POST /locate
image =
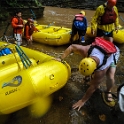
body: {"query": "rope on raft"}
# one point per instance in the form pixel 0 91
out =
pixel 24 58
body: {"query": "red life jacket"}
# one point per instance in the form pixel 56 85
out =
pixel 79 17
pixel 108 17
pixel 106 47
pixel 31 29
pixel 20 21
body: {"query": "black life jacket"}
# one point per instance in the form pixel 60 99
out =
pixel 108 17
pixel 106 47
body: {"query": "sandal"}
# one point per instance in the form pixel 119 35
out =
pixel 107 100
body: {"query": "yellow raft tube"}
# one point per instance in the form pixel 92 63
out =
pixel 118 37
pixel 20 86
pixel 52 35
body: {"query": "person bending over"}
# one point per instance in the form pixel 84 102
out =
pixel 92 63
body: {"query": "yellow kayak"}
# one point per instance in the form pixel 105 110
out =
pixel 118 37
pixel 27 74
pixel 52 35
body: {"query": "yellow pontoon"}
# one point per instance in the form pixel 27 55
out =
pixel 26 74
pixel 52 35
pixel 118 37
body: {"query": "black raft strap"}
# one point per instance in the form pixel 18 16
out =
pixel 104 62
pixel 105 54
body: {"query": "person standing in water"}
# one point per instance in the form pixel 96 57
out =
pixel 105 20
pixel 28 31
pixel 17 24
pixel 79 27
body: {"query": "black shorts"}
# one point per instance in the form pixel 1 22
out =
pixel 101 33
pixel 80 32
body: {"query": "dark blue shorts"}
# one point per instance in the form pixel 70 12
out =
pixel 101 33
pixel 75 31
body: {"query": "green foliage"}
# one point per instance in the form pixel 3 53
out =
pixel 37 3
pixel 4 4
pixel 12 3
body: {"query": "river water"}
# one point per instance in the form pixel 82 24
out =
pixel 95 111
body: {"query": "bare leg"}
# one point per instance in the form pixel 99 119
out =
pixel 110 81
pixel 109 38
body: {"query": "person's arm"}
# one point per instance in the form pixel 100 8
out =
pixel 94 20
pixel 117 19
pixel 85 22
pixel 35 29
pixel 94 83
pixel 67 52
pixel 75 48
pixel 15 23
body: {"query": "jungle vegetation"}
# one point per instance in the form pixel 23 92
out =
pixel 7 4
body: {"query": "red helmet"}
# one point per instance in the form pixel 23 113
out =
pixel 112 2
pixel 30 20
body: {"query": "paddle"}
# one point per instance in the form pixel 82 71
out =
pixel 50 25
pixel 32 12
pixel 4 34
pixel 34 16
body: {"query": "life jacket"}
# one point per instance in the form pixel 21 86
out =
pixel 31 29
pixel 108 17
pixel 79 17
pixel 106 47
pixel 80 22
pixel 20 21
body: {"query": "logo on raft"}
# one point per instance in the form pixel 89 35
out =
pixel 15 82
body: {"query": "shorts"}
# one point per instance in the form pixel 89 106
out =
pixel 115 57
pixel 113 64
pixel 101 33
pixel 80 32
pixel 18 38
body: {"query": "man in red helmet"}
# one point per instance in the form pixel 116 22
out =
pixel 105 20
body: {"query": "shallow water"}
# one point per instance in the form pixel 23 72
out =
pixel 94 111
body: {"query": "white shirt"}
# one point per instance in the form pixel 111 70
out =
pixel 97 53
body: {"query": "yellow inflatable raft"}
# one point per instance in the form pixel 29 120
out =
pixel 118 37
pixel 52 35
pixel 25 75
